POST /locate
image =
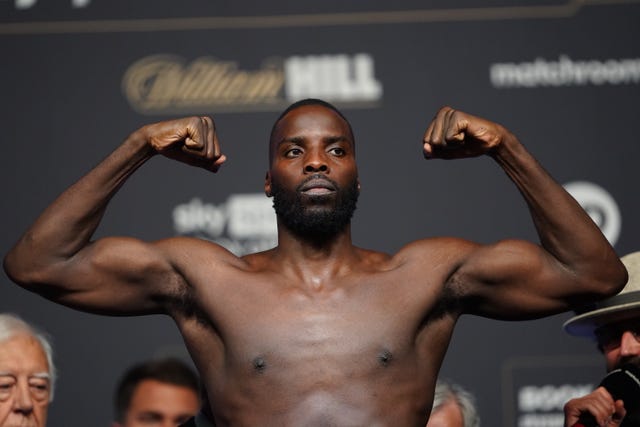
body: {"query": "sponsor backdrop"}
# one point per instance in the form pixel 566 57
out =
pixel 78 75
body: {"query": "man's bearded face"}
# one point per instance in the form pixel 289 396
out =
pixel 315 215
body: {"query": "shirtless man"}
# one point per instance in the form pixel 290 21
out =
pixel 316 331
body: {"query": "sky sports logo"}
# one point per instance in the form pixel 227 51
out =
pixel 565 71
pixel 243 224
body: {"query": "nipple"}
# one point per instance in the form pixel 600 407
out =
pixel 259 364
pixel 385 357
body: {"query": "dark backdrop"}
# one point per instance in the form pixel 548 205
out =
pixel 78 76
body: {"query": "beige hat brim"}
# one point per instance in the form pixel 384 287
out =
pixel 623 306
pixel 585 324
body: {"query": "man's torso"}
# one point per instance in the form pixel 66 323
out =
pixel 363 348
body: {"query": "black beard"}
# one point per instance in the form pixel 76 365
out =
pixel 316 220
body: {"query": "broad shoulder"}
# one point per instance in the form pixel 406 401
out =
pixel 447 252
pixel 185 251
pixel 260 261
pixel 443 251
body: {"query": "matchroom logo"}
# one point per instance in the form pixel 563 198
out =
pixel 160 84
pixel 565 71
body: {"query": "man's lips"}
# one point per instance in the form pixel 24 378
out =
pixel 317 186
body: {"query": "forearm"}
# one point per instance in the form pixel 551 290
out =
pixel 67 225
pixel 565 230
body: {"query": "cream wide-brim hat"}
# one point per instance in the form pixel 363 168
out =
pixel 623 306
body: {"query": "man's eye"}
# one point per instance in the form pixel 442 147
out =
pixel 149 418
pixel 337 151
pixel 6 389
pixel 7 384
pixel 40 391
pixel 293 152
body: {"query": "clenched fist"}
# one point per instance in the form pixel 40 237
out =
pixel 191 140
pixel 453 134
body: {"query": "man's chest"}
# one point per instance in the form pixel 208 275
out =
pixel 362 320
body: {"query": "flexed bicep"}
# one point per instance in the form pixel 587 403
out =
pixel 113 276
pixel 573 263
pixel 514 280
pixel 56 256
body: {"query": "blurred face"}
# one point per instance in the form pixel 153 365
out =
pixel 620 343
pixel 160 404
pixel 313 176
pixel 447 415
pixel 24 383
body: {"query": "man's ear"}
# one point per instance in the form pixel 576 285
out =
pixel 267 184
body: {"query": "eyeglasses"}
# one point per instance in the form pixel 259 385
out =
pixel 609 336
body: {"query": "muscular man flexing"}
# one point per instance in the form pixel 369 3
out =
pixel 316 331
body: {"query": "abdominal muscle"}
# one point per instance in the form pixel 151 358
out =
pixel 388 397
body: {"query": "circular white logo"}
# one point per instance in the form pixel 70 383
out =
pixel 600 206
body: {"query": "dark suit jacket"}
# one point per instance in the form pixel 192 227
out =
pixel 200 420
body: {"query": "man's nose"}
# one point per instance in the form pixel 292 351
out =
pixel 316 161
pixel 23 402
pixel 629 344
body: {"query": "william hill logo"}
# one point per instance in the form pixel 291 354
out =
pixel 166 84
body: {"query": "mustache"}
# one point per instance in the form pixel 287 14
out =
pixel 316 177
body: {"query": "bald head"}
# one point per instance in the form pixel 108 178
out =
pixel 300 104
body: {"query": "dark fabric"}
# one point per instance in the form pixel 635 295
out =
pixel 191 422
pixel 200 420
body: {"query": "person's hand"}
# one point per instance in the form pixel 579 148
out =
pixel 191 140
pixel 453 134
pixel 598 403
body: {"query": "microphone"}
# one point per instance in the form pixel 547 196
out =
pixel 623 384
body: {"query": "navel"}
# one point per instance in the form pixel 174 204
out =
pixel 385 357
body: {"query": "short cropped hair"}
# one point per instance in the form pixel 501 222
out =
pixel 12 325
pixel 447 391
pixel 302 103
pixel 169 371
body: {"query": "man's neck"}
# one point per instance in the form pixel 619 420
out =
pixel 315 259
pixel 313 242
